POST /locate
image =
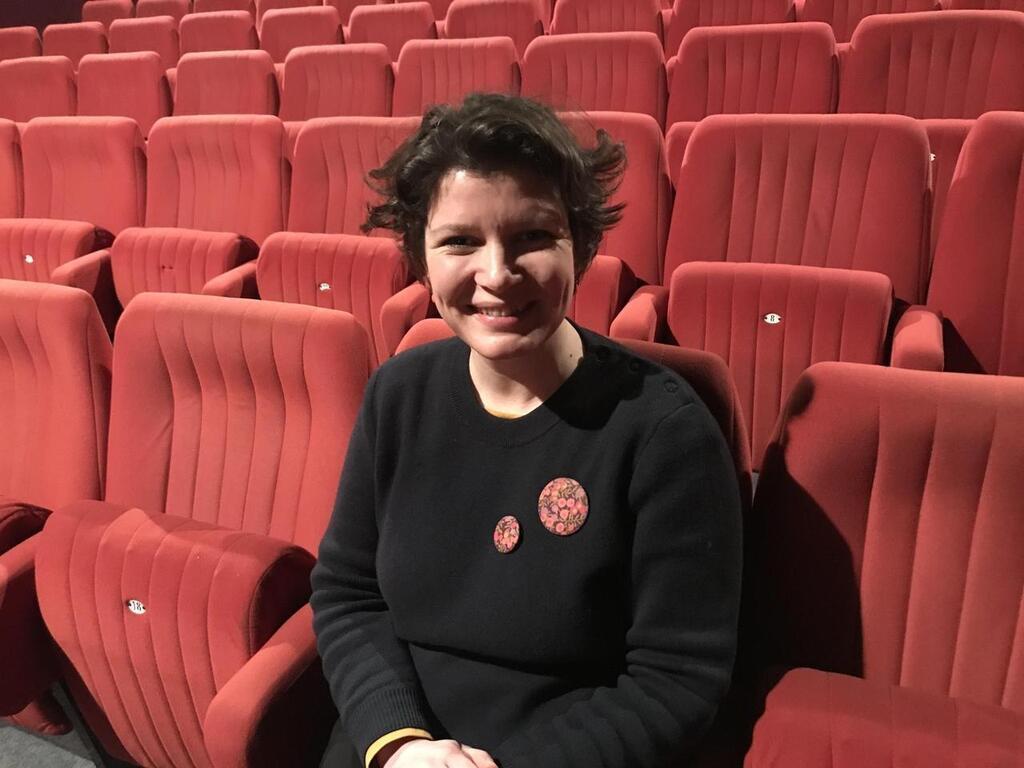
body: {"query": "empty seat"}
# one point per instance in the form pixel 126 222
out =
pixel 35 87
pixel 392 25
pixel 322 81
pixel 216 6
pixel 19 42
pixel 217 31
pixel 65 156
pixel 333 155
pixel 940 64
pixel 126 84
pixel 606 16
pixel 46 250
pixel 264 6
pixel 106 11
pixel 344 8
pixel 74 40
pixel 174 8
pixel 289 28
pixel 158 34
pixel 685 15
pixel 517 19
pixel 985 5
pixel 613 71
pixel 217 173
pixel 444 71
pixel 226 83
pixel 945 137
pixel 844 15
pixel 11 187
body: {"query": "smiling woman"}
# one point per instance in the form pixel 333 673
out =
pixel 534 555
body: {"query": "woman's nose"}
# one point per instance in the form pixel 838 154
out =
pixel 495 270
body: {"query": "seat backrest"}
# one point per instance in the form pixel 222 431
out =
pixel 787 68
pixel 263 7
pixel 517 19
pixel 347 272
pixel 946 137
pixel 287 28
pixel 217 31
pixel 31 249
pixel 444 71
pixel 156 33
pixel 571 16
pixel 54 394
pixel 977 276
pixel 217 6
pixel 36 87
pixel 106 11
pixel 344 7
pixel 392 25
pixel 74 40
pixel 203 363
pixel 145 9
pixel 985 5
pixel 64 156
pixel 333 156
pixel 610 71
pixel 330 80
pixel 938 64
pixel 844 191
pixel 226 83
pixel 11 174
pixel 689 14
pixel 639 237
pixel 769 322
pixel 221 173
pixel 127 84
pixel 19 42
pixel 844 15
pixel 886 534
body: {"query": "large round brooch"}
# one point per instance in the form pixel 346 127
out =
pixel 563 506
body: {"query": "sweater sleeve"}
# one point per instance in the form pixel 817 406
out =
pixel 369 670
pixel 685 573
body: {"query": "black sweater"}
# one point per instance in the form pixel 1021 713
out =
pixel 608 647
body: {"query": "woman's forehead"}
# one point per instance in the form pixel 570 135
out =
pixel 467 194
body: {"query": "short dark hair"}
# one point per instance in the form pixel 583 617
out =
pixel 488 133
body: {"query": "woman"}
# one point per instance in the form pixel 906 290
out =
pixel 534 557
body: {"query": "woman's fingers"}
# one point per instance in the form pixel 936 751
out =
pixel 480 758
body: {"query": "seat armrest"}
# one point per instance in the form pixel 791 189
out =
pixel 93 274
pixel 917 341
pixel 400 313
pixel 236 283
pixel 602 292
pixel 644 316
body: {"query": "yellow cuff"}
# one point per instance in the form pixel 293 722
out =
pixel 387 738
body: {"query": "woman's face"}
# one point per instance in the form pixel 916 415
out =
pixel 499 260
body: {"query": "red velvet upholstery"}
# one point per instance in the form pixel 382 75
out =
pixel 685 15
pixel 35 249
pixel 217 31
pixel 844 15
pixel 157 33
pixel 126 84
pixel 617 71
pixel 11 178
pixel 940 64
pixel 106 11
pixel 176 9
pixel 424 332
pixel 344 8
pixel 265 6
pixel 443 71
pixel 988 5
pixel 19 42
pixel 328 80
pixel 517 19
pixel 218 6
pixel 74 40
pixel 226 83
pixel 36 87
pixel 976 276
pixel 218 173
pixel 65 156
pixel 572 16
pixel 173 260
pixel 392 25
pixel 332 157
pixel 289 28
pixel 945 137
pixel 819 314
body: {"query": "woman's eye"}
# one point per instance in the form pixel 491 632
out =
pixel 456 241
pixel 537 235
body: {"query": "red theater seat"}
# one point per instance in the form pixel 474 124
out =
pixel 392 25
pixel 613 71
pixel 329 80
pixel 289 28
pixel 217 31
pixel 945 137
pixel 885 545
pixel 844 15
pixel 36 87
pixel 685 15
pixel 11 182
pixel 986 5
pixel 106 11
pixel 941 64
pixel 517 19
pixel 19 42
pixel 217 6
pixel 226 83
pixel 444 71
pixel 74 40
pixel 124 84
pixel 573 16
pixel 265 6
pixel 210 529
pixel 344 8
pixel 158 34
pixel 176 9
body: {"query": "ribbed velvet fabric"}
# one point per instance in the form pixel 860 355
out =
pixel 36 87
pixel 572 16
pixel 847 191
pixel 392 25
pixel 343 7
pixel 347 272
pixel 218 6
pixel 332 157
pixel 64 157
pixel 226 83
pixel 158 34
pixel 287 28
pixel 819 314
pixel 31 249
pixel 978 274
pixel 616 71
pixel 218 173
pixel 688 14
pixel 149 8
pixel 217 31
pixel 19 42
pixel 265 6
pixel 331 80
pixel 444 71
pixel 844 15
pixel 940 64
pixel 74 40
pixel 517 19
pixel 129 84
pixel 946 137
pixel 11 174
pixel 105 11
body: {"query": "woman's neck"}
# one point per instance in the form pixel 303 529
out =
pixel 516 386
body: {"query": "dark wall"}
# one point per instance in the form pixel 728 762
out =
pixel 39 13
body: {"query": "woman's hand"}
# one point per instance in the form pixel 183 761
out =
pixel 421 753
